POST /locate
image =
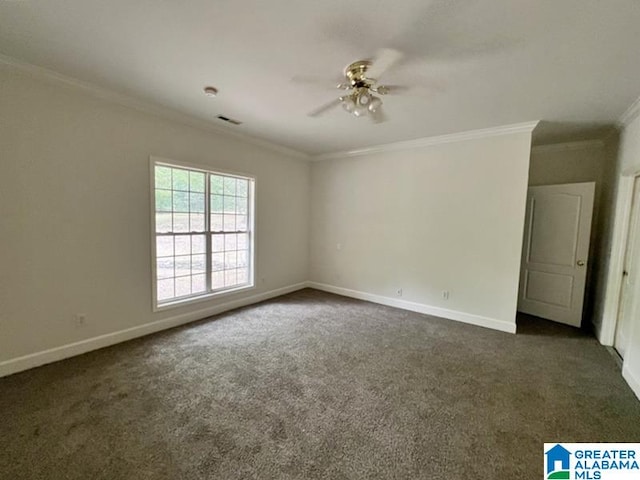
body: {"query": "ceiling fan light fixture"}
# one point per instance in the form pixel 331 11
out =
pixel 360 111
pixel 374 104
pixel 362 90
pixel 360 103
pixel 348 104
pixel 364 98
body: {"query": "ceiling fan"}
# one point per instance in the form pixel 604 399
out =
pixel 361 87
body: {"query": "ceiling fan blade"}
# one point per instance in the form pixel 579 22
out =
pixel 378 116
pixel 392 89
pixel 324 108
pixel 328 84
pixel 308 80
pixel 384 60
pixel 427 90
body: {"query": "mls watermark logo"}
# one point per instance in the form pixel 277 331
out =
pixel 592 461
pixel 557 462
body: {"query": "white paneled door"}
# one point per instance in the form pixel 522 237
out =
pixel 555 251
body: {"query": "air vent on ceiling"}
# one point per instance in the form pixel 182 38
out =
pixel 229 120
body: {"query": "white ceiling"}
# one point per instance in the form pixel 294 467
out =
pixel 479 63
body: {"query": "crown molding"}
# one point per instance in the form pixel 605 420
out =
pixel 630 114
pixel 148 107
pixel 567 146
pixel 429 141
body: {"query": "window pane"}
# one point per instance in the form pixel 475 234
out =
pixel 198 264
pixel 243 257
pixel 241 205
pixel 217 262
pixel 163 222
pixel 198 244
pixel 229 223
pixel 182 244
pixel 181 202
pixel 216 203
pixel 216 184
pixel 243 241
pixel 198 283
pixel 217 243
pixel 180 222
pixel 180 180
pixel 242 188
pixel 230 259
pixel 196 201
pixel 183 265
pixel 243 275
pixel 230 278
pixel 163 200
pixel 196 181
pixel 241 223
pixel 216 223
pixel 229 204
pixel 197 222
pixel 164 246
pixel 165 289
pixel 163 177
pixel 164 267
pixel 217 280
pixel 183 286
pixel 230 241
pixel 229 186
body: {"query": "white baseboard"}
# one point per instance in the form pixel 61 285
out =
pixel 470 318
pixel 632 380
pixel 15 365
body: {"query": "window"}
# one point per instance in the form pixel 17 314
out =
pixel 203 232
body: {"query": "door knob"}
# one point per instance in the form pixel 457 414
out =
pixel 581 263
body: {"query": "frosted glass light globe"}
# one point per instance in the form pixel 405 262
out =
pixel 374 104
pixel 348 104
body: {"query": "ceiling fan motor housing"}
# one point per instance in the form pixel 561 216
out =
pixel 357 73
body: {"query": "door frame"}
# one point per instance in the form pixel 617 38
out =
pixel 619 242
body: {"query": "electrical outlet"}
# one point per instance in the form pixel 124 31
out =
pixel 399 292
pixel 81 319
pixel 445 294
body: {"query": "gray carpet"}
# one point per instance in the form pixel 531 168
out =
pixel 313 385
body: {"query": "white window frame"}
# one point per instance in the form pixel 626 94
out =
pixel 209 294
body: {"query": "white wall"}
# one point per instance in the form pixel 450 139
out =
pixel 629 162
pixel 629 151
pixel 75 212
pixel 443 217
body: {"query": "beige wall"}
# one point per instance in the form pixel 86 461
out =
pixel 75 211
pixel 567 163
pixel 592 161
pixel 444 217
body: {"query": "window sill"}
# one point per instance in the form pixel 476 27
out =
pixel 202 298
